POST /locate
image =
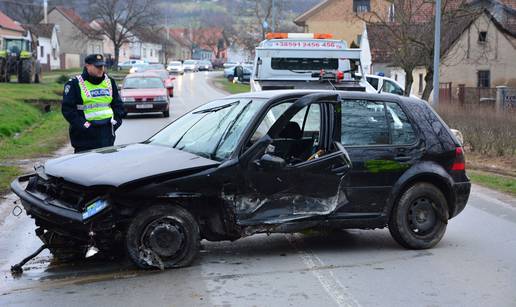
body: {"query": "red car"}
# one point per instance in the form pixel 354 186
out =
pixel 167 79
pixel 145 92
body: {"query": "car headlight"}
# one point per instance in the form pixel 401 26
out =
pixel 128 99
pixel 158 98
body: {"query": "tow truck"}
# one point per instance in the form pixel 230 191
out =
pixel 307 61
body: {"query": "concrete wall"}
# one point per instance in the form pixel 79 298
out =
pixel 339 19
pixel 468 56
pixel 70 60
pixel 399 75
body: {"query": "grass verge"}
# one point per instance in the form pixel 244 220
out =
pixel 233 88
pixel 26 130
pixel 7 174
pixel 493 181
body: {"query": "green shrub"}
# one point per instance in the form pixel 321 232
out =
pixel 63 79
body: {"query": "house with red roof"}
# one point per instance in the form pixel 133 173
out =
pixel 9 27
pixel 77 37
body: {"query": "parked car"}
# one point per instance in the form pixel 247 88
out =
pixel 130 63
pixel 144 93
pixel 229 64
pixel 261 162
pixel 144 67
pixel 229 72
pixel 385 85
pixel 167 79
pixel 190 65
pixel 176 67
pixel 205 65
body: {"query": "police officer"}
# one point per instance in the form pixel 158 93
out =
pixel 92 106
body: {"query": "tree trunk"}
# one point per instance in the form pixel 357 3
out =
pixel 409 80
pixel 117 53
pixel 429 84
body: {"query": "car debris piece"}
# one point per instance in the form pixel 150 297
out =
pixel 17 270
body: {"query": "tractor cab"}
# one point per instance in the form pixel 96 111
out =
pixel 16 58
pixel 17 47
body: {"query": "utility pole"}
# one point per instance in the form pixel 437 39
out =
pixel 437 52
pixel 273 15
pixel 45 8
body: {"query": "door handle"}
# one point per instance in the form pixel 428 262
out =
pixel 402 158
pixel 339 170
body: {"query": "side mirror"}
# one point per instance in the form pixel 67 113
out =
pixel 272 162
pixel 255 151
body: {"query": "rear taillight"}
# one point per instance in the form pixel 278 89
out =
pixel 340 75
pixel 459 163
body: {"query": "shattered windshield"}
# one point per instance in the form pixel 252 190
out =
pixel 212 130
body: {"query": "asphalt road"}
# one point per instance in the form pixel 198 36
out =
pixel 474 265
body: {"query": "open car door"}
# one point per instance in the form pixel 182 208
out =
pixel 298 179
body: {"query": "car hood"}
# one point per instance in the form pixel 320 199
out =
pixel 115 166
pixel 147 92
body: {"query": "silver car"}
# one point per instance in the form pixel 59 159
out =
pixel 175 67
pixel 190 65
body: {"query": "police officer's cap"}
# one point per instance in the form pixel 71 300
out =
pixel 95 59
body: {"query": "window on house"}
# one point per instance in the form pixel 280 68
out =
pixel 41 51
pixel 361 6
pixel 484 78
pixel 359 39
pixel 54 53
pixel 420 87
pixel 144 52
pixel 482 36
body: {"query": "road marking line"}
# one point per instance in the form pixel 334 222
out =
pixel 329 282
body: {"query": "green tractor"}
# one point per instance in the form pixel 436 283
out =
pixel 16 58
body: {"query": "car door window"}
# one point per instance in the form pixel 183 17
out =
pixel 402 132
pixel 373 82
pixel 363 123
pixel 299 139
pixel 391 87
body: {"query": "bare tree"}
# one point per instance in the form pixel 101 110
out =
pixel 409 26
pixel 120 19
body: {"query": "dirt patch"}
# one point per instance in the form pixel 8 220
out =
pixel 45 105
pixel 500 165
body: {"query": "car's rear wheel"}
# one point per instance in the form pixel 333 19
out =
pixel 419 219
pixel 166 113
pixel 163 236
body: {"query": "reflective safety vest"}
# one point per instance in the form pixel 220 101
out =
pixel 96 99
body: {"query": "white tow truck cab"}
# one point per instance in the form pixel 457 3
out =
pixel 307 61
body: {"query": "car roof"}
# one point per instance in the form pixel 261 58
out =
pixel 145 74
pixel 278 94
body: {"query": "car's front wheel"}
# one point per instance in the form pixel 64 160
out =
pixel 419 219
pixel 163 236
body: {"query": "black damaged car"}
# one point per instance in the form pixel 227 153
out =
pixel 265 162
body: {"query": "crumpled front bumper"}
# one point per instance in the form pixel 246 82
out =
pixel 49 210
